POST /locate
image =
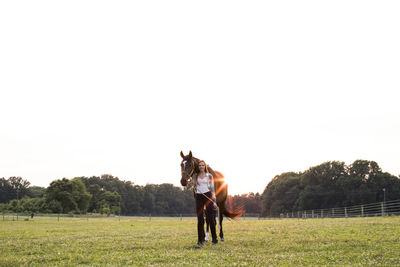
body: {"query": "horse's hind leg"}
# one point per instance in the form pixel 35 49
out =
pixel 221 233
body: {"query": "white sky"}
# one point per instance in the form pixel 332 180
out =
pixel 255 88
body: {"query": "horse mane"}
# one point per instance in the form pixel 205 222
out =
pixel 196 164
pixel 219 174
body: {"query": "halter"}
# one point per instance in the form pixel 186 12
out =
pixel 191 172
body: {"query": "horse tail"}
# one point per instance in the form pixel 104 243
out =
pixel 233 214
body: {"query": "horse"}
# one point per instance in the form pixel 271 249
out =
pixel 189 166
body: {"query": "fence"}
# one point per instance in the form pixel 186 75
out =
pixel 179 216
pixel 28 216
pixel 385 208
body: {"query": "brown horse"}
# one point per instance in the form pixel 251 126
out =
pixel 189 167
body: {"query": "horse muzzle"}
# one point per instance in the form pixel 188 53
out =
pixel 185 178
pixel 183 181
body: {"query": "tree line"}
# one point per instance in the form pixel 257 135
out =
pixel 104 194
pixel 329 185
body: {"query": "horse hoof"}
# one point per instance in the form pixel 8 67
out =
pixel 222 239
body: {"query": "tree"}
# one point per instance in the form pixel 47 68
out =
pixel 14 187
pixel 108 202
pixel 131 195
pixel 364 169
pixel 330 184
pixel 19 184
pixel 358 186
pixel 36 191
pixel 140 200
pixel 250 203
pixel 281 194
pixel 149 200
pixel 70 194
pixel 29 205
pixel 319 186
pixel 6 191
pixel 384 185
pixel 80 195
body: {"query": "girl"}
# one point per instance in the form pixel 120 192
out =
pixel 205 196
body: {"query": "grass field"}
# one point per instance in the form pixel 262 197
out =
pixel 170 241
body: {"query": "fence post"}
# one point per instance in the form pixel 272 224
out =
pixel 312 214
pixel 322 213
pixel 362 210
pixel 345 212
pixel 333 212
pixel 383 210
pixel 298 214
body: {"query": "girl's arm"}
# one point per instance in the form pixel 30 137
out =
pixel 211 185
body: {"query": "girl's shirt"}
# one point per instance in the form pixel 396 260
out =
pixel 204 184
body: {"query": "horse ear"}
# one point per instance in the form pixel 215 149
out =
pixel 182 154
pixel 190 153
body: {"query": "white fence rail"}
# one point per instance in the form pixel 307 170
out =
pixel 365 210
pixel 385 208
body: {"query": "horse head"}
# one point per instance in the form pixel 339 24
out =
pixel 187 168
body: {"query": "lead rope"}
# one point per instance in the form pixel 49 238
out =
pixel 215 205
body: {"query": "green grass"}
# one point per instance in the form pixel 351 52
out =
pixel 170 241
